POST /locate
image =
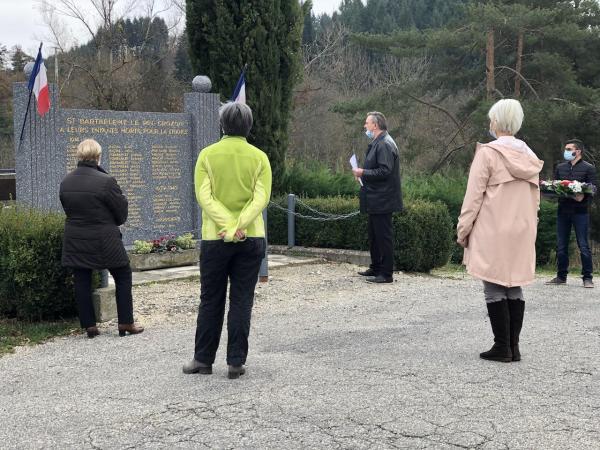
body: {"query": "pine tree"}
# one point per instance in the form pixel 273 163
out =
pixel 224 35
pixel 19 58
pixel 536 50
pixel 3 56
pixel 388 16
pixel 308 29
pixel 183 67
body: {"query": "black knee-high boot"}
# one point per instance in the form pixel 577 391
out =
pixel 516 310
pixel 500 321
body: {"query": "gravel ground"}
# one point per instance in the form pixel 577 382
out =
pixel 334 363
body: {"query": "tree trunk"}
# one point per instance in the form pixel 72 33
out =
pixel 519 65
pixel 489 64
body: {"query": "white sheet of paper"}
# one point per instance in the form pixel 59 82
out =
pixel 354 164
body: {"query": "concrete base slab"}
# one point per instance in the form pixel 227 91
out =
pixel 358 257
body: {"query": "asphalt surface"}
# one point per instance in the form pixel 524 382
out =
pixel 334 363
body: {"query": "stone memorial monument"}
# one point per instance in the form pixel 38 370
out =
pixel 152 156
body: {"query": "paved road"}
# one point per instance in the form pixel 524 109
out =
pixel 335 363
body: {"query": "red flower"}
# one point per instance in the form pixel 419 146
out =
pixel 565 183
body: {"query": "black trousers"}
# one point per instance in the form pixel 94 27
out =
pixel 239 264
pixel 381 244
pixel 83 295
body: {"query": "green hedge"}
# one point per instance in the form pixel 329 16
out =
pixel 314 180
pixel 545 244
pixel 448 188
pixel 33 284
pixel 411 240
pixel 422 233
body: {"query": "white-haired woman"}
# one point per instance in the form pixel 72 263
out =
pixel 95 207
pixel 498 225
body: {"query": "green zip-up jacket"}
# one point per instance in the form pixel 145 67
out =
pixel 233 185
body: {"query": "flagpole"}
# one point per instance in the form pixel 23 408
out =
pixel 27 109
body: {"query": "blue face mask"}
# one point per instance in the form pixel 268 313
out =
pixel 492 134
pixel 569 155
pixel 369 134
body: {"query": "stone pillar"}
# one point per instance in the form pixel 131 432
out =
pixel 37 177
pixel 203 108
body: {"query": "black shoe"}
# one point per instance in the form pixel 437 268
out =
pixel 234 372
pixel 588 283
pixel 556 281
pixel 500 321
pixel 379 279
pixel 516 309
pixel 197 367
pixel 368 273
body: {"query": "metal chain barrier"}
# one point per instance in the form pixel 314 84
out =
pixel 320 216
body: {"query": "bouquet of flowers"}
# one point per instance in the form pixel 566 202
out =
pixel 566 188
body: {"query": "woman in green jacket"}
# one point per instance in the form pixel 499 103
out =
pixel 233 185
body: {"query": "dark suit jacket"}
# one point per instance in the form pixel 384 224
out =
pixel 381 192
pixel 582 171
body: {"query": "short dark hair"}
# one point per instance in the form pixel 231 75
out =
pixel 236 119
pixel 578 144
pixel 379 119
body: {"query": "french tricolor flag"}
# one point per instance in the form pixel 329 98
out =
pixel 239 94
pixel 38 83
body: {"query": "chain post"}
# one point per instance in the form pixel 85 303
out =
pixel 291 220
pixel 104 278
pixel 263 274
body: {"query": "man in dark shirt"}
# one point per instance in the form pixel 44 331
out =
pixel 574 212
pixel 380 196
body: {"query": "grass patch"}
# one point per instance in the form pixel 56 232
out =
pixel 14 333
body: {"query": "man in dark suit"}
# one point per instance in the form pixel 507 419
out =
pixel 380 196
pixel 574 213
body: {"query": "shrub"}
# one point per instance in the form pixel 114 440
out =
pixel 185 241
pixel 314 179
pixel 423 236
pixel 595 218
pixel 545 244
pixel 422 233
pixel 449 188
pixel 142 247
pixel 33 284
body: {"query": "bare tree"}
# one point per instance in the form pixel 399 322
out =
pixel 428 126
pixel 114 76
pixel 325 47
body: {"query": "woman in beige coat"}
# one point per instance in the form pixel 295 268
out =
pixel 498 225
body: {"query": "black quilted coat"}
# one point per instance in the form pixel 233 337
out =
pixel 95 207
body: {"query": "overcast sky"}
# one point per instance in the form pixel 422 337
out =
pixel 21 23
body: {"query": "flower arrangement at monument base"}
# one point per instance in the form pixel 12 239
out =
pixel 165 251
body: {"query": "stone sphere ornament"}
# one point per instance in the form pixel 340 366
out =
pixel 28 68
pixel 201 83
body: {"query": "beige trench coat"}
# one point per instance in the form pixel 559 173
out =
pixel 498 219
